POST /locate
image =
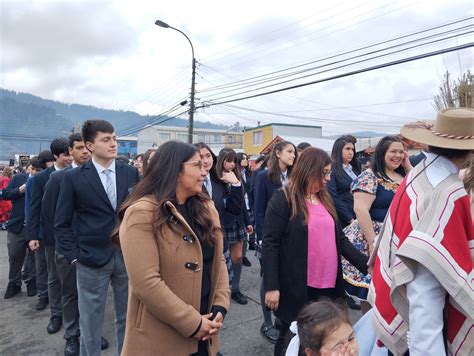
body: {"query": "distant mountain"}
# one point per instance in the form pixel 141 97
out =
pixel 368 134
pixel 363 134
pixel 28 123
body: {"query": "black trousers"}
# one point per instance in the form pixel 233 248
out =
pixel 67 277
pixel 17 250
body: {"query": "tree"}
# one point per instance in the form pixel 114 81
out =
pixel 455 93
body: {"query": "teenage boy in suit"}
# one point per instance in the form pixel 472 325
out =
pixel 41 235
pixel 91 195
pixel 16 239
pixel 67 272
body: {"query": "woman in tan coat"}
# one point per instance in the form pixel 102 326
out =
pixel 172 244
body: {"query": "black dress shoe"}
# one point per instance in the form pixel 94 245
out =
pixel 42 304
pixel 72 346
pixel 54 325
pixel 239 298
pixel 12 290
pixel 104 344
pixel 352 303
pixel 31 288
pixel 269 332
pixel 246 262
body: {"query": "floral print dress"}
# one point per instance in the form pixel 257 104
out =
pixel 356 283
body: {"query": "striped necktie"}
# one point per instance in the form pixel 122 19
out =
pixel 110 188
pixel 208 185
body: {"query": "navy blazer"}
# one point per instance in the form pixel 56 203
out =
pixel 264 189
pixel 12 192
pixel 229 202
pixel 285 257
pixel 35 226
pixel 82 198
pixel 51 194
pixel 340 191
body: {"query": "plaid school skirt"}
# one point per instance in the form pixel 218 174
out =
pixel 235 233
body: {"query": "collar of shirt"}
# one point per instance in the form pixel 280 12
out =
pixel 56 168
pixel 100 168
pixel 439 169
pixel 347 167
pixel 284 177
pixel 74 165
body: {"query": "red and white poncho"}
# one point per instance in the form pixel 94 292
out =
pixel 433 227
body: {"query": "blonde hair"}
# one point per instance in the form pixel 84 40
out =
pixel 7 172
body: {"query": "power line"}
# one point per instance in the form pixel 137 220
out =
pixel 306 35
pixel 162 121
pixel 330 69
pixel 305 117
pixel 250 80
pixel 359 71
pixel 267 35
pixel 137 127
pixel 333 107
pixel 327 120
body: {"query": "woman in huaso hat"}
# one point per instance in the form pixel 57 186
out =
pixel 422 284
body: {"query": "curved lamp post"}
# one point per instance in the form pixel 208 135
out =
pixel 193 78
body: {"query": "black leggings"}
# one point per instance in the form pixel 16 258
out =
pixel 282 342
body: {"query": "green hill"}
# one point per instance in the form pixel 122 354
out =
pixel 28 123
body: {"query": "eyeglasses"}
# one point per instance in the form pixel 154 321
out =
pixel 327 173
pixel 197 164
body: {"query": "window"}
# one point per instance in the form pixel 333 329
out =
pixel 182 137
pixel 258 138
pixel 217 138
pixel 164 136
pixel 231 139
pixel 201 138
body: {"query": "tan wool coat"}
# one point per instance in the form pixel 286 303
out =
pixel 164 293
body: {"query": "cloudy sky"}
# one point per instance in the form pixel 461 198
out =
pixel 110 54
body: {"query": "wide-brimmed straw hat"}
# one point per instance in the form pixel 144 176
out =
pixel 453 128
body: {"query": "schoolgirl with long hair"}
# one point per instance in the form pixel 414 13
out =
pixel 345 168
pixel 236 222
pixel 279 167
pixel 246 174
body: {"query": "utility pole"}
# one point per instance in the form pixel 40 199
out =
pixel 191 104
pixel 193 80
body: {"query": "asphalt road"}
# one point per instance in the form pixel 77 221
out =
pixel 23 329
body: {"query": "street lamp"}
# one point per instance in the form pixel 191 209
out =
pixel 193 79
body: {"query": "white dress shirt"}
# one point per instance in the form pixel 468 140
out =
pixel 103 176
pixel 56 168
pixel 208 185
pixel 348 169
pixel 284 178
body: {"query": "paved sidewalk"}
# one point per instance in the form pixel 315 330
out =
pixel 23 329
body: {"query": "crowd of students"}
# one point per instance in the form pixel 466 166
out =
pixel 171 230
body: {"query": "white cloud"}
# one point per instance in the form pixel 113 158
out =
pixel 110 54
